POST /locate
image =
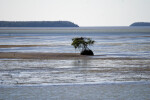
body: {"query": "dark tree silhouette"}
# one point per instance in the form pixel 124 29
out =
pixel 37 24
pixel 82 44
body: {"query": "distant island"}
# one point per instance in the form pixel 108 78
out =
pixel 141 24
pixel 37 24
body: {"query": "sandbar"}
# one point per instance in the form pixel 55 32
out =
pixel 19 55
pixel 59 56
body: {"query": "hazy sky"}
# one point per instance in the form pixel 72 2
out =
pixel 81 12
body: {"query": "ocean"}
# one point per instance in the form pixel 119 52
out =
pixel 123 57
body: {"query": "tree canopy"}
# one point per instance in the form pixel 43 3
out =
pixel 82 43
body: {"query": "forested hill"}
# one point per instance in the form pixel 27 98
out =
pixel 140 24
pixel 37 24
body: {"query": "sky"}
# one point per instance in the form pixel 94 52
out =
pixel 81 12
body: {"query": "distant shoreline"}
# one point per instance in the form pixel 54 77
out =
pixel 37 24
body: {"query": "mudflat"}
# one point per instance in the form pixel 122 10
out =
pixel 18 55
pixel 59 56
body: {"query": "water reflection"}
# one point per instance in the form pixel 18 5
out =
pixel 81 63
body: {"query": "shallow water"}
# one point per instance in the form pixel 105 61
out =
pixel 132 43
pixel 118 91
pixel 121 43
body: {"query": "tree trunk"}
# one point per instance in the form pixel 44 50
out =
pixel 87 52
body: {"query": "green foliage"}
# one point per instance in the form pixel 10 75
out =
pixel 82 43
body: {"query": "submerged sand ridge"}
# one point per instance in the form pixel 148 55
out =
pixel 10 46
